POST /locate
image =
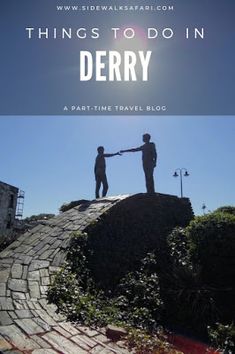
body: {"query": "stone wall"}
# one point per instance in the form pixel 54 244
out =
pixel 28 324
pixel 8 203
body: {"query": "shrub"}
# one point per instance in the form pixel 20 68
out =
pixel 144 343
pixel 212 248
pixel 189 302
pixel 178 247
pixel 223 337
pixel 226 209
pixel 140 291
pixel 135 301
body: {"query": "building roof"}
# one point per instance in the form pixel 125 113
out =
pixel 8 185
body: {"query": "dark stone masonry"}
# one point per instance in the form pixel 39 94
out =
pixel 28 324
pixel 8 202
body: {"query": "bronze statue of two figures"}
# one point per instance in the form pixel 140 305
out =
pixel 149 158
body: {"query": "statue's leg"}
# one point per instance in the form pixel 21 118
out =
pixel 148 171
pixel 97 188
pixel 105 185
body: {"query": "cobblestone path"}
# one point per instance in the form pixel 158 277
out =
pixel 28 324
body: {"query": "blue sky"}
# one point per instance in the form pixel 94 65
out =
pixel 52 158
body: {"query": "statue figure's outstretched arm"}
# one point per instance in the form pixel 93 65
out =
pixel 132 150
pixel 111 155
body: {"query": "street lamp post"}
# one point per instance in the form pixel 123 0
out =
pixel 182 172
pixel 204 208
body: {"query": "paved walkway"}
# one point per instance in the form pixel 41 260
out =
pixel 28 324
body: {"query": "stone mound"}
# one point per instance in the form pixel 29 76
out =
pixel 28 324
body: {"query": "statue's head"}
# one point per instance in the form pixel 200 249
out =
pixel 146 138
pixel 100 149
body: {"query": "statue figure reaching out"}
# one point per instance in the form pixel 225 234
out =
pixel 100 171
pixel 149 158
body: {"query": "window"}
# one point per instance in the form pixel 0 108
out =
pixel 11 201
pixel 9 221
